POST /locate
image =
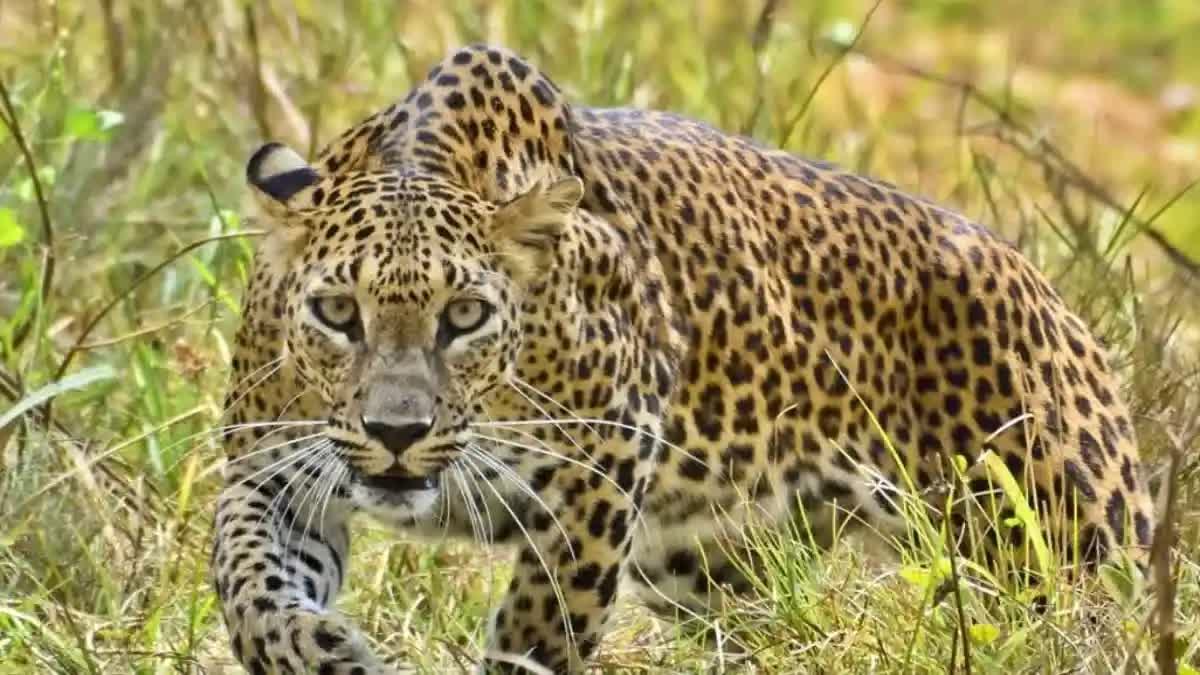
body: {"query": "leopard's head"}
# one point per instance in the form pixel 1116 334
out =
pixel 403 303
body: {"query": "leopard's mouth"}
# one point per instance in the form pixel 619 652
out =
pixel 393 482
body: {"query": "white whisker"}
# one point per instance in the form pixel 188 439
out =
pixel 519 483
pixel 286 459
pixel 308 483
pixel 547 415
pixel 215 432
pixel 468 474
pixel 338 476
pixel 550 399
pixel 571 460
pixel 314 486
pixel 482 500
pixel 597 422
pixel 273 366
pixel 547 450
pixel 558 594
pixel 473 515
pixel 306 454
pixel 251 455
pixel 515 427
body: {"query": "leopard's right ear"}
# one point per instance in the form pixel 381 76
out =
pixel 280 178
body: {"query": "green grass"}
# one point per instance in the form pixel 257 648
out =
pixel 1069 127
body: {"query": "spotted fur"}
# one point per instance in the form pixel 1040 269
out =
pixel 722 331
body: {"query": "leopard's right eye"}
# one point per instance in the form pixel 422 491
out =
pixel 338 312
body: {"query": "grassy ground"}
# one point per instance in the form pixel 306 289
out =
pixel 1072 127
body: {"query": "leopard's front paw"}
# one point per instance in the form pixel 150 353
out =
pixel 304 641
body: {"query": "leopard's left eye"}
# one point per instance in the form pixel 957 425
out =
pixel 339 312
pixel 463 316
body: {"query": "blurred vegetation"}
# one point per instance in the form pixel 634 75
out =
pixel 1073 128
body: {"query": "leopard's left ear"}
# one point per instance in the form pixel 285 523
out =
pixel 527 228
pixel 279 177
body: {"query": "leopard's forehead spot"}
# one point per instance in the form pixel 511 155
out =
pixel 387 228
pixel 391 220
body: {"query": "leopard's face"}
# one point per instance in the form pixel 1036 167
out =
pixel 402 311
pixel 401 320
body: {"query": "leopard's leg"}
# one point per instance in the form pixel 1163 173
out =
pixel 564 585
pixel 278 565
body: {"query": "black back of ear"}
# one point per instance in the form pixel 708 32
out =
pixel 279 171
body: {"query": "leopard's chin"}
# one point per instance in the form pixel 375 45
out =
pixel 396 483
pixel 396 508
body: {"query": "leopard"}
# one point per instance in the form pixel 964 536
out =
pixel 611 341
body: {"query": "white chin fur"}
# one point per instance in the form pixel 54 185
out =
pixel 397 510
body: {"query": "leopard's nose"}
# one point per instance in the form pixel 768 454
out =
pixel 397 437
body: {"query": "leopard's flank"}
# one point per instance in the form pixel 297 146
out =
pixel 609 338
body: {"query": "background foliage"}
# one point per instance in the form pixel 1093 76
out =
pixel 1071 127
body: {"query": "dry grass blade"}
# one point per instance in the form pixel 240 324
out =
pixel 790 125
pixel 13 124
pixel 1164 578
pixel 149 330
pixel 758 41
